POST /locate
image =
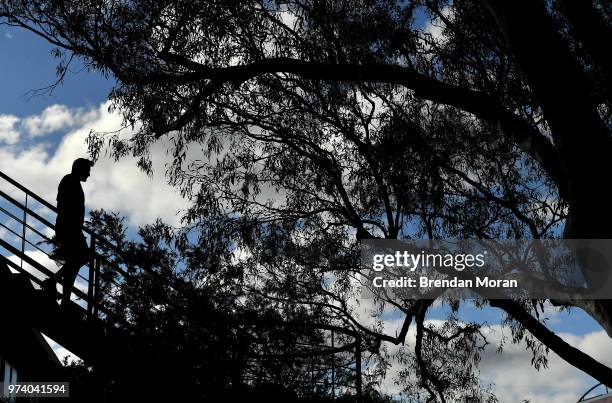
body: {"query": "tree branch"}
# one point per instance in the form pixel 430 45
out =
pixel 570 354
pixel 525 136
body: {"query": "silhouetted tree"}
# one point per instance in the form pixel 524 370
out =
pixel 299 127
pixel 202 339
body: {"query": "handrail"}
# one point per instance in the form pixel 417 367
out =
pixel 46 204
pixel 49 224
pixel 96 304
pixel 26 209
pixel 582 398
pixel 25 224
pixel 92 299
pixel 89 231
pixel 27 191
pixel 26 241
pixel 37 266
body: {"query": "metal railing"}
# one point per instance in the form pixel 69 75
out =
pixel 28 220
pixel 34 217
pixel 29 223
pixel 584 397
pixel 322 369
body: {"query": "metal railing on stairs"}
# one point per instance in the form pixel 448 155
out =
pixel 24 213
pixel 600 386
pixel 26 231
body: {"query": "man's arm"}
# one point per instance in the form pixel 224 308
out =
pixel 67 204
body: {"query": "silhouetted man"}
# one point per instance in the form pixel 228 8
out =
pixel 72 247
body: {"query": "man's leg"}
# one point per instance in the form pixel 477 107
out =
pixel 69 273
pixel 58 275
pixel 76 252
pixel 59 256
pixel 49 285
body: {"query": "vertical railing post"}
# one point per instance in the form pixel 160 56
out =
pixel 260 375
pixel 358 369
pixel 90 280
pixel 313 385
pixel 23 231
pixel 96 300
pixel 333 366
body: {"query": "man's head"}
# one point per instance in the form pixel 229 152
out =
pixel 81 168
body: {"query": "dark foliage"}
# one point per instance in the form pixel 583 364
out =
pixel 300 127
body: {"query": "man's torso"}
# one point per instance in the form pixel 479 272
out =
pixel 70 207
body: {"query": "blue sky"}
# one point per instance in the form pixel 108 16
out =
pixel 27 65
pixel 37 159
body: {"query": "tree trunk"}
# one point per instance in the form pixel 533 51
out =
pixel 579 136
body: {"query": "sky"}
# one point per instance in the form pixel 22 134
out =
pixel 40 136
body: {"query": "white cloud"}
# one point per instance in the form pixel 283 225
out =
pixel 118 186
pixel 60 351
pixel 8 132
pixel 515 379
pixel 57 117
pixel 511 373
pixel 435 26
pixel 121 186
pixel 288 18
pixel 8 35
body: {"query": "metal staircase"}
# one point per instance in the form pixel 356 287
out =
pixel 88 327
pixel 26 228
